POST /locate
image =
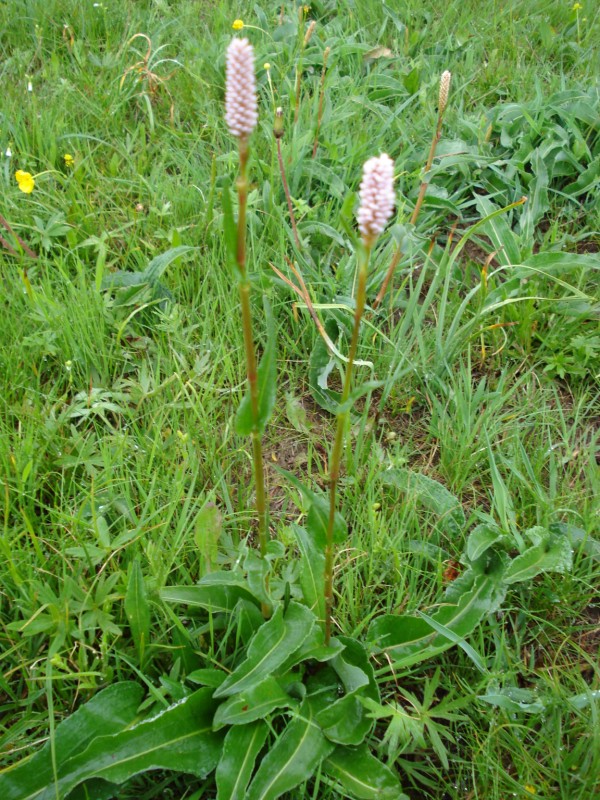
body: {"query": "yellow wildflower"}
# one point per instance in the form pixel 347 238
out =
pixel 530 789
pixel 238 24
pixel 69 160
pixel 266 65
pixel 577 7
pixel 306 10
pixel 25 181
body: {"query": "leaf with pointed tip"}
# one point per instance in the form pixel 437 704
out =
pixel 318 514
pixel 240 749
pixel 552 554
pixel 431 494
pixel 179 738
pixel 312 572
pixel 345 721
pixel 270 647
pixel 481 539
pixel 213 598
pixel 293 758
pixel 362 775
pixel 108 712
pixel 409 640
pixel 252 704
pixel 137 609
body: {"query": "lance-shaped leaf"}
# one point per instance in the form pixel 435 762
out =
pixel 431 494
pixel 180 738
pixel 312 571
pixel 240 749
pixel 482 538
pixel 318 514
pixel 108 712
pixel 270 646
pixel 245 423
pixel 552 554
pixel 345 721
pixel 137 609
pixel 409 640
pixel 252 704
pixel 361 775
pixel 213 597
pixel 293 758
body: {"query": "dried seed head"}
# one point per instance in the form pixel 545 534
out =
pixel 309 32
pixel 444 90
pixel 241 107
pixel 278 126
pixel 376 196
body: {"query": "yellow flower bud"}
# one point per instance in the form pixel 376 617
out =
pixel 238 24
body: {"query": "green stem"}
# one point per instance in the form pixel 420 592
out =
pixel 335 458
pixel 251 364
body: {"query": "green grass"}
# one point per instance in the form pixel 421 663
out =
pixel 117 412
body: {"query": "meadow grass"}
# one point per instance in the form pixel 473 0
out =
pixel 118 403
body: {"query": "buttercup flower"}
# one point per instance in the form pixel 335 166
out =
pixel 241 107
pixel 238 24
pixel 377 196
pixel 69 160
pixel 25 181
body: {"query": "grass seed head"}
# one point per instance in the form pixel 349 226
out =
pixel 444 90
pixel 241 107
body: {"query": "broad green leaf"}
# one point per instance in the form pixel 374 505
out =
pixel 179 738
pixel 456 639
pixel 94 789
pixel 137 609
pixel 578 538
pixel 207 677
pixel 409 640
pixel 362 775
pixel 229 226
pixel 313 648
pixel 503 239
pixel 345 720
pixel 553 554
pixel 481 539
pixel 158 265
pixel 293 758
pixel 245 424
pixel 208 528
pixel 513 698
pixel 252 704
pixel 108 712
pixel 312 572
pixel 240 749
pixel 257 570
pixel 318 514
pixel 431 494
pixel 270 646
pixel 213 598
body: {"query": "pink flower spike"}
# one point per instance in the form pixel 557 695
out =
pixel 377 196
pixel 241 107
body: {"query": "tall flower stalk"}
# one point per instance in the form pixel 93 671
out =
pixel 241 115
pixel 376 205
pixel 444 91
